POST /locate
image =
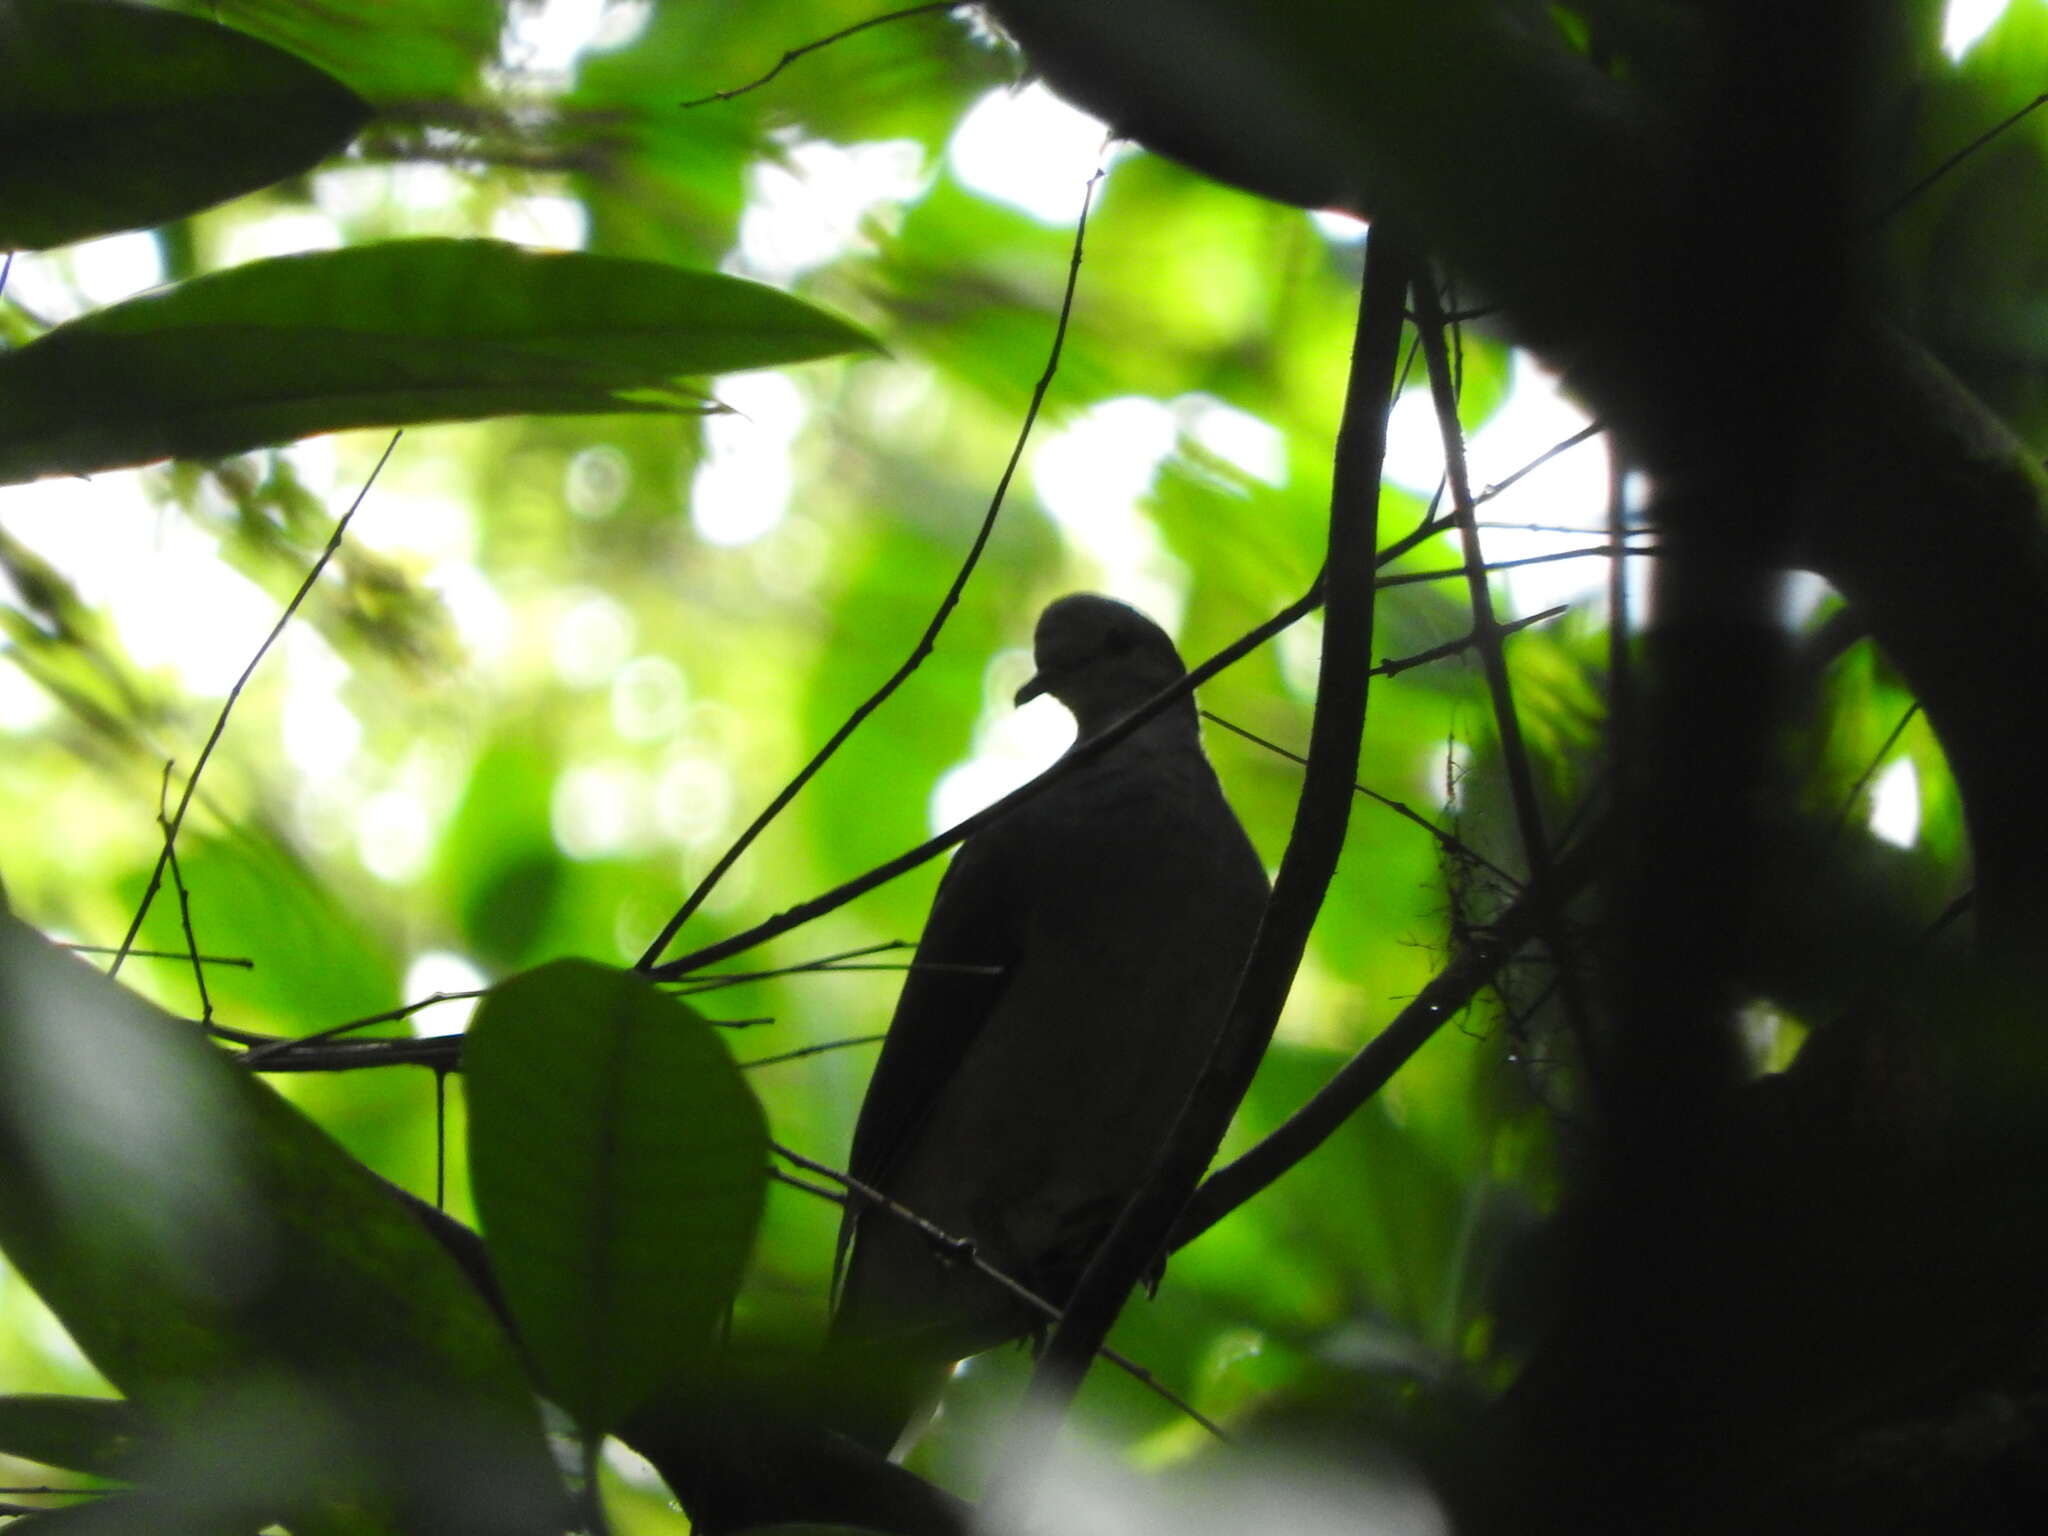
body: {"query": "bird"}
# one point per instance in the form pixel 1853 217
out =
pixel 1073 977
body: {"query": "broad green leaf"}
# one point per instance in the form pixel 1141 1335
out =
pixel 99 1435
pixel 241 1279
pixel 388 50
pixel 119 116
pixel 386 335
pixel 619 1165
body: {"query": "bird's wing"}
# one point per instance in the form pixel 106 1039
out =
pixel 973 922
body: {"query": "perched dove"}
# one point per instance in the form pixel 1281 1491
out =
pixel 1018 1104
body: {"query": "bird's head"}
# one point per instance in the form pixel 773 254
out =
pixel 1102 659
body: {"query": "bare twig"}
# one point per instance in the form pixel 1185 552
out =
pixel 296 1043
pixel 1465 572
pixel 163 791
pixel 1486 627
pixel 961 1250
pixel 1877 758
pixel 1591 429
pixel 1451 842
pixel 817 1191
pixel 847 960
pixel 928 639
pixel 1463 643
pixel 220 724
pixel 823 962
pixel 793 54
pixel 2011 120
pixel 242 962
pixel 1615 535
pixel 811 1050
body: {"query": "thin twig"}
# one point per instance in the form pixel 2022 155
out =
pixel 240 961
pixel 832 964
pixel 1590 430
pixel 220 724
pixel 823 962
pixel 294 1043
pixel 818 1191
pixel 1465 572
pixel 2013 120
pixel 811 1050
pixel 1421 533
pixel 1615 535
pixel 1870 770
pixel 1486 634
pixel 163 792
pixel 961 1250
pixel 1449 648
pixel 792 55
pixel 322 1052
pixel 929 638
pixel 1451 842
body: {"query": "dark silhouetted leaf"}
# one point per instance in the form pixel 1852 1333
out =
pixel 100 1435
pixel 120 116
pixel 386 335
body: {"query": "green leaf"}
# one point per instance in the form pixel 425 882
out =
pixel 619 1165
pixel 386 335
pixel 119 116
pixel 97 1435
pixel 242 1280
pixel 388 50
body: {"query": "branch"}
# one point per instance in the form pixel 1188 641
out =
pixel 1321 817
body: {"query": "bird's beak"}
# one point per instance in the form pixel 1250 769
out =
pixel 1039 684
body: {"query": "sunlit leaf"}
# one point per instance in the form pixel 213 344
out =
pixel 619 1164
pixel 120 116
pixel 385 335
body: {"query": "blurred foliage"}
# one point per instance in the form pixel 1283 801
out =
pixel 544 684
